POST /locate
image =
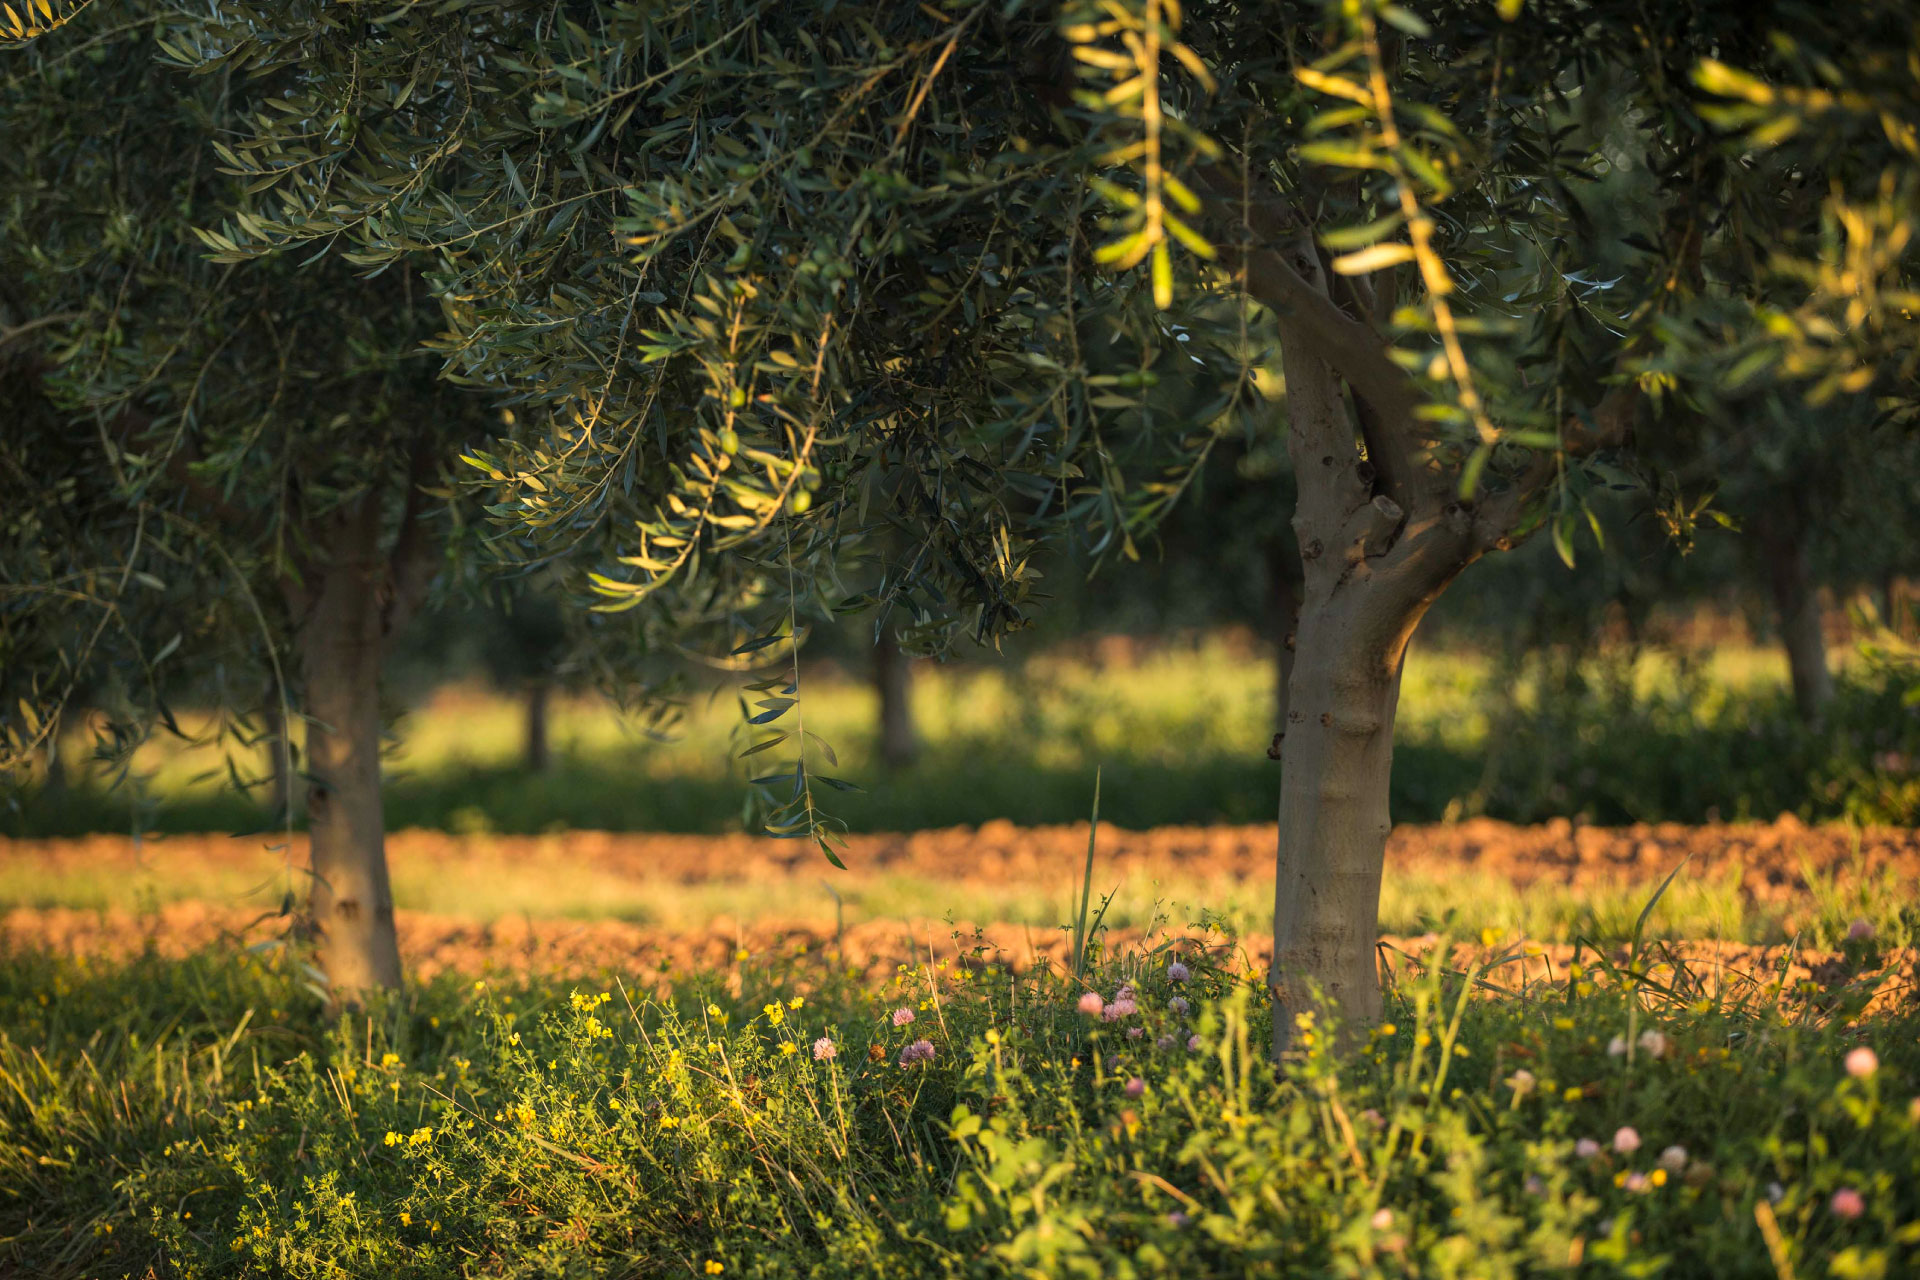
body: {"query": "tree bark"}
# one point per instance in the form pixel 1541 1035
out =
pixel 539 694
pixel 1797 598
pixel 1369 573
pixel 893 679
pixel 341 643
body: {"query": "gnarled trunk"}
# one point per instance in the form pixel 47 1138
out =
pixel 1797 598
pixel 893 678
pixel 1370 570
pixel 341 643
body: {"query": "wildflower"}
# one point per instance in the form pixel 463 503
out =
pixel 824 1051
pixel 1617 1047
pixel 1535 1187
pixel 1374 1118
pixel 775 1013
pixel 1862 1062
pixel 1654 1043
pixel 1120 1008
pixel 1092 1005
pixel 1860 931
pixel 1847 1203
pixel 1177 972
pixel 796 1002
pixel 1626 1140
pixel 1673 1159
pixel 1193 1044
pixel 1166 1042
pixel 1586 1149
pixel 715 1267
pixel 902 1016
pixel 1135 1087
pixel 1179 1006
pixel 1134 1033
pixel 1636 1182
pixel 1177 1219
pixel 787 1049
pixel 918 1051
pixel 1521 1082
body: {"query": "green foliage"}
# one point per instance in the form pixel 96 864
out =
pixel 202 1117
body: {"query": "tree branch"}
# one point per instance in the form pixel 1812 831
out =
pixel 1612 422
pixel 1350 347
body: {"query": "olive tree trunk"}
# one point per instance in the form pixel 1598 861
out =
pixel 1369 574
pixel 349 604
pixel 893 679
pixel 341 644
pixel 1383 527
pixel 1796 596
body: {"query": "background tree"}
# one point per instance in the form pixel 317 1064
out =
pixel 231 471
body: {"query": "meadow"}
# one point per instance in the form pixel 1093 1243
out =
pixel 1659 1049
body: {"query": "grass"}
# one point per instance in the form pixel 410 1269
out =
pixel 1180 732
pixel 207 1118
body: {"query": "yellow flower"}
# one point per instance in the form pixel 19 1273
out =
pixel 406 1219
pixel 1659 1177
pixel 714 1267
pixel 796 1002
pixel 1387 1029
pixel 786 1049
pixel 1563 1024
pixel 775 1014
pixel 389 1059
pixel 669 1122
pixel 392 1139
pixel 1573 1094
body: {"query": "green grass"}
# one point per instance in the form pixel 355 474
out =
pixel 1181 735
pixel 206 1119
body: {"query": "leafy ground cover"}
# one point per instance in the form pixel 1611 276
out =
pixel 775 1116
pixel 1180 730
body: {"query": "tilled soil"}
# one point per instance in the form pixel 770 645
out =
pixel 1772 859
pixel 649 958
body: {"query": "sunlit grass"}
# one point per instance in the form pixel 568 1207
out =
pixel 1181 729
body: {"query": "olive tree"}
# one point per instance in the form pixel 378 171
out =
pixel 226 477
pixel 766 281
